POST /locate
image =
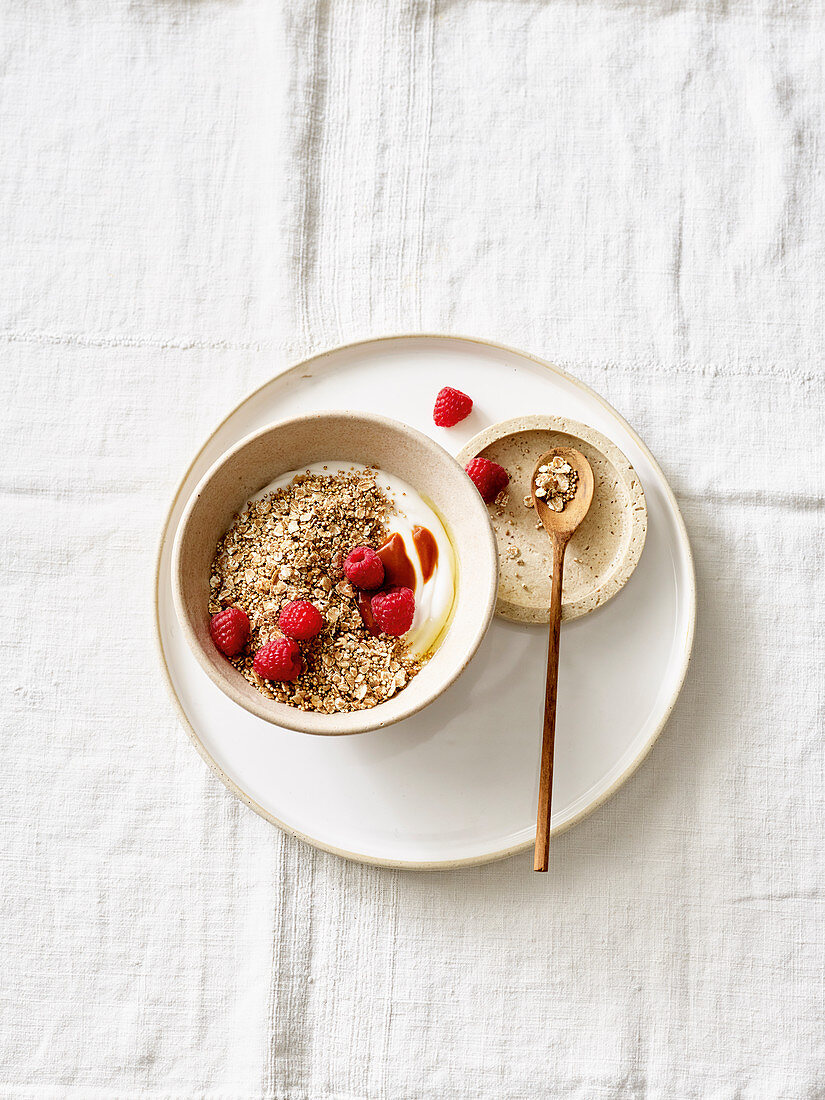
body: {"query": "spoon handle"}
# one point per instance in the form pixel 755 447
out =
pixel 542 851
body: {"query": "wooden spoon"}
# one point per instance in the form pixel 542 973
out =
pixel 559 526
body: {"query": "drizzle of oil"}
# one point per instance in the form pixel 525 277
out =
pixel 427 548
pixel 398 569
pixel 456 565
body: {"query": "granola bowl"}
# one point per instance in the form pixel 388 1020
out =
pixel 394 454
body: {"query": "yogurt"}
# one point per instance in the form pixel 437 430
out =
pixel 418 553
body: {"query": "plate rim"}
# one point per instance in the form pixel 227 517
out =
pixel 424 865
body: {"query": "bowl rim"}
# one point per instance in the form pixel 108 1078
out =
pixel 353 722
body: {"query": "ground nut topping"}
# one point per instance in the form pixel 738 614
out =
pixel 290 545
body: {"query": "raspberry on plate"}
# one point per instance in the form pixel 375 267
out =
pixel 279 660
pixel 393 610
pixel 300 619
pixel 364 568
pixel 229 630
pixel 451 406
pixel 488 477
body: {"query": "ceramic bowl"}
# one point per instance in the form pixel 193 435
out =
pixel 338 437
pixel 603 552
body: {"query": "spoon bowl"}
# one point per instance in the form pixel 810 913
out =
pixel 563 524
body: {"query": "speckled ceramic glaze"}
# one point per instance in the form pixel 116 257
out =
pixel 330 437
pixel 602 553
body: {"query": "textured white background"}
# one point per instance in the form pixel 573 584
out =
pixel 194 193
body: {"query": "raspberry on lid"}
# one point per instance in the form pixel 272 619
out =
pixel 488 477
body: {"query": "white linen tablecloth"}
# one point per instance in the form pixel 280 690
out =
pixel 194 193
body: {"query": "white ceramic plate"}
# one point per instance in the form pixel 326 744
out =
pixel 457 783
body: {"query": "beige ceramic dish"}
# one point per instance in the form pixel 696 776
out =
pixel 603 552
pixel 333 437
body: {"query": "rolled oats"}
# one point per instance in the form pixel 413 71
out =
pixel 556 482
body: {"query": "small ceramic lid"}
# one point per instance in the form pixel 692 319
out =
pixel 602 553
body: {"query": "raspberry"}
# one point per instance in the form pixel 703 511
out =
pixel 279 660
pixel 393 610
pixel 364 568
pixel 451 406
pixel 488 477
pixel 300 619
pixel 229 630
